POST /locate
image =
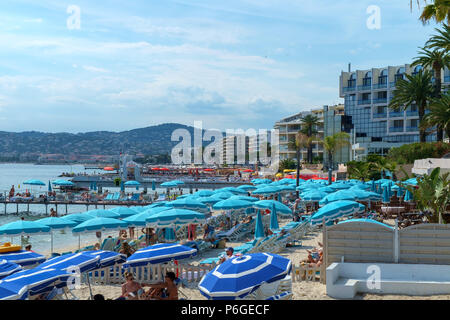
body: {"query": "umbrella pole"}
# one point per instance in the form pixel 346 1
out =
pixel 79 242
pixel 89 284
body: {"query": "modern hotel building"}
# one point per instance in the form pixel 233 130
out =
pixel 376 128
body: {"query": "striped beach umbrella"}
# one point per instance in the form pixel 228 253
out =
pixel 8 268
pixel 266 191
pixel 99 224
pixel 337 196
pixel 23 258
pixel 313 196
pixel 56 223
pixel 107 258
pixel 188 203
pixel 240 276
pixel 140 219
pixel 159 253
pixel 22 227
pixel 101 213
pixel 124 212
pixel 80 261
pixel 78 217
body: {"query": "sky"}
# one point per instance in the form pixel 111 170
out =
pixel 111 65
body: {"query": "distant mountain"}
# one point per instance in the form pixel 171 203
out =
pixel 150 141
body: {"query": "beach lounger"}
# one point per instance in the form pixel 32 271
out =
pixel 109 197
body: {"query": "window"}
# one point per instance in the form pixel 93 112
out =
pixel 382 79
pixel 352 81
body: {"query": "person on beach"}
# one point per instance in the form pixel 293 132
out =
pixel 157 291
pixel 229 253
pixel 150 236
pixel 126 249
pixel 28 248
pixel 53 213
pixel 11 192
pixel 130 288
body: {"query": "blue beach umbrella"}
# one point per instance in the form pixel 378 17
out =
pixel 101 213
pixel 23 258
pixel 124 212
pixel 337 196
pixel 223 195
pixel 22 227
pixel 78 217
pixel 268 204
pixel 8 268
pixel 335 210
pixel 34 182
pixel 169 184
pixel 132 183
pixel 49 186
pixel 30 282
pixel 140 219
pixel 259 227
pixel 56 223
pixel 99 224
pixel 240 276
pixel 245 198
pixel 313 196
pixel 122 186
pixel 232 190
pixel 188 203
pixel 175 217
pixel 153 185
pixel 210 200
pixel 204 193
pixel 326 189
pixel 247 187
pixel 81 261
pixel 269 190
pixel 107 258
pixel 340 186
pixel 159 253
pixel 63 183
pixel 232 204
pixel 273 219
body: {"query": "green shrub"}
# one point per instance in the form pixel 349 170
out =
pixel 408 153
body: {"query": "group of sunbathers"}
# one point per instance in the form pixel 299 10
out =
pixel 315 257
pixel 133 290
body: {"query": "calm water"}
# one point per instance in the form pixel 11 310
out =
pixel 16 174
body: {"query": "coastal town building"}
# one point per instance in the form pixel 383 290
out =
pixel 376 128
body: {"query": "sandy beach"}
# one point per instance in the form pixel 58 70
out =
pixel 303 290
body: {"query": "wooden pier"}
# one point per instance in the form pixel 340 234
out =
pixel 66 203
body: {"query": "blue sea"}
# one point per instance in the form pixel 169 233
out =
pixel 15 174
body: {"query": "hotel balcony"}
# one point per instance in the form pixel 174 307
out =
pixel 380 115
pixel 412 113
pixel 380 100
pixel 412 129
pixel 350 103
pixel 396 114
pixel 396 129
pixel 392 84
pixel 380 86
pixel 365 87
pixel 447 79
pixel 364 102
pixel 349 89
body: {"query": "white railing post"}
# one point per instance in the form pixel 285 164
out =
pixel 396 242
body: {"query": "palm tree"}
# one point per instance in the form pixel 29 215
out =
pixel 436 60
pixel 441 40
pixel 358 170
pixel 432 194
pixel 439 11
pixel 333 143
pixel 417 89
pixel 309 125
pixel 385 165
pixel 300 142
pixel 439 114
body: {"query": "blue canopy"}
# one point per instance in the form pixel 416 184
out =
pixel 99 224
pixel 101 213
pixel 23 258
pixel 175 217
pixel 266 190
pixel 223 195
pixel 124 212
pixel 22 227
pixel 63 183
pixel 7 268
pixel 78 217
pixel 232 204
pixel 268 204
pixel 245 198
pixel 159 253
pixel 132 183
pixel 57 223
pixel 204 193
pixel 338 195
pixel 340 185
pixel 240 276
pixel 140 219
pixel 34 182
pixel 335 210
pixel 210 200
pixel 314 196
pixel 169 184
pixel 187 203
